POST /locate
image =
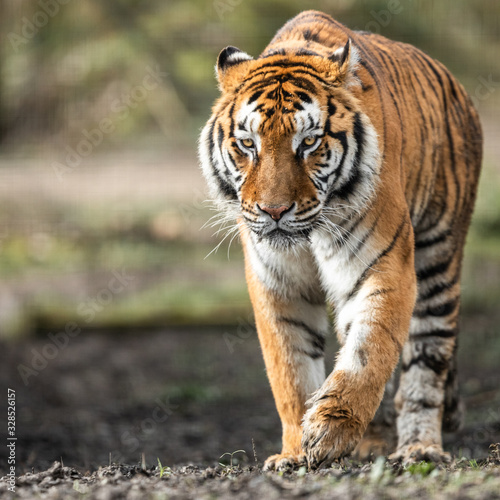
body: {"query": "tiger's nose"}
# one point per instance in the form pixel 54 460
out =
pixel 274 212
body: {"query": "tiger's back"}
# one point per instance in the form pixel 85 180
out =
pixel 417 107
pixel 351 163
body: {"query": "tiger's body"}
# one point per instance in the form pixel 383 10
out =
pixel 351 164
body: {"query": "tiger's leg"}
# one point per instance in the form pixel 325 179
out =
pixel 428 361
pixel 375 295
pixel 292 322
pixel 380 437
pixel 454 409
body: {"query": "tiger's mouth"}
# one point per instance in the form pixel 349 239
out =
pixel 282 237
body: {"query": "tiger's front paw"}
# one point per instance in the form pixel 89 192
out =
pixel 330 431
pixel 284 461
pixel 418 452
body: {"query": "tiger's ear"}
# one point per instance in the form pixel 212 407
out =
pixel 230 68
pixel 344 62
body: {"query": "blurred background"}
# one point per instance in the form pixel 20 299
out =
pixel 102 207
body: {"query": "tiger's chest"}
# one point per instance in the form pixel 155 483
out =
pixel 325 268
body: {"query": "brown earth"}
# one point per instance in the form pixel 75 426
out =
pixel 185 397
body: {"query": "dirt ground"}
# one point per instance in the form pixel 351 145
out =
pixel 185 397
pixel 368 481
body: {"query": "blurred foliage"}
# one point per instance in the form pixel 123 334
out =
pixel 67 67
pixel 145 69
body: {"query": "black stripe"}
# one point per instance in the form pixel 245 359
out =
pixel 419 59
pixel 211 141
pixel 362 356
pixel 342 138
pixel 433 241
pixel 361 243
pixel 434 270
pixel 292 78
pixel 440 310
pixel 374 76
pixel 305 52
pixel 423 142
pixel 255 96
pixel 430 124
pixel 348 188
pixel 220 140
pixel 357 221
pixel 226 188
pixel 365 273
pixel 309 217
pixel 220 136
pixel 314 301
pixel 417 405
pixel 381 291
pixel 451 143
pixel 231 120
pixel 437 218
pixel 440 287
pixel 284 63
pixel 332 109
pixel 437 365
pixel 388 61
pixel 314 355
pixel 441 333
pixel 307 209
pixel 299 82
pixel 318 340
pixel 304 97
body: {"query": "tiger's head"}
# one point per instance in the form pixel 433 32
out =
pixel 288 148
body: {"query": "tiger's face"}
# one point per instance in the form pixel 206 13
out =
pixel 286 146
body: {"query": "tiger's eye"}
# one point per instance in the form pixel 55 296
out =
pixel 248 143
pixel 309 141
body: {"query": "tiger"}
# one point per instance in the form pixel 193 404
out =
pixel 348 164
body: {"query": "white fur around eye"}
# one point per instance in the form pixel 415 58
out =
pixel 251 118
pixel 303 118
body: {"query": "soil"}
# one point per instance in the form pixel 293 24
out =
pixel 97 412
pixel 368 481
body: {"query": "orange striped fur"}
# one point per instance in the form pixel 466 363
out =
pixel 349 163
